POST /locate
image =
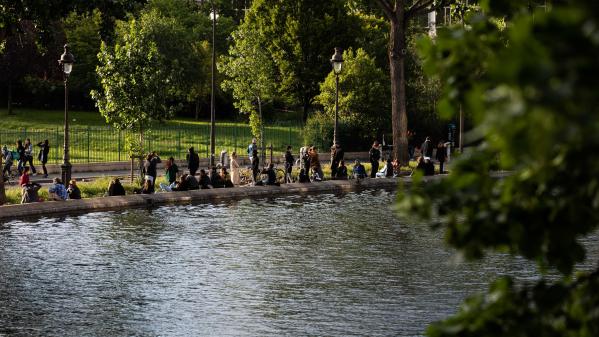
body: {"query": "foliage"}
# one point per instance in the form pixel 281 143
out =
pixel 83 35
pixel 300 37
pixel 249 71
pixel 144 71
pixel 364 97
pixel 534 105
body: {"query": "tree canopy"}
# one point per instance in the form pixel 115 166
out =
pixel 534 106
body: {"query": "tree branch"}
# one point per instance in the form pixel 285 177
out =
pixel 387 8
pixel 423 6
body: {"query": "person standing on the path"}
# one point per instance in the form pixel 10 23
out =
pixel 427 148
pixel 171 171
pixel 315 164
pixel 29 155
pixel 7 155
pixel 21 155
pixel 288 164
pixel 441 156
pixel 255 165
pixel 336 157
pixel 251 148
pixel 150 164
pixel 43 155
pixel 193 161
pixel 235 177
pixel 374 155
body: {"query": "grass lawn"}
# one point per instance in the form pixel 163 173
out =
pixel 92 140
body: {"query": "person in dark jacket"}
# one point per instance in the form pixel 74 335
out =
pixel 255 166
pixel 441 156
pixel 43 155
pixel 181 185
pixel 303 176
pixel 204 180
pixel 21 154
pixel 192 182
pixel 193 161
pixel 215 180
pixel 73 190
pixel 427 148
pixel 342 170
pixel 150 168
pixel 115 188
pixel 336 158
pixel 271 175
pixel 374 155
pixel 288 164
pixel 226 178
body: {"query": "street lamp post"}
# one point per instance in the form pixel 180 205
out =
pixel 213 16
pixel 66 62
pixel 337 62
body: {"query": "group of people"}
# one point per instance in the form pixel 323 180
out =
pixel 56 191
pixel 425 157
pixel 23 154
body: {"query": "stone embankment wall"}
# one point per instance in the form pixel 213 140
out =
pixel 14 212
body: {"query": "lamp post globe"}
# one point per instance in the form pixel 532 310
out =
pixel 337 63
pixel 66 63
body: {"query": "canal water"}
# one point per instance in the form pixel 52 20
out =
pixel 319 265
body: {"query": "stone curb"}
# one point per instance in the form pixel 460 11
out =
pixel 12 212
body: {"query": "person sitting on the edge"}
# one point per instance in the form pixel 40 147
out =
pixel 359 171
pixel 181 184
pixel 57 191
pixel 204 180
pixel 215 180
pixel 30 193
pixel 342 171
pixel 73 190
pixel 271 175
pixel 303 176
pixel 226 178
pixel 115 188
pixel 192 182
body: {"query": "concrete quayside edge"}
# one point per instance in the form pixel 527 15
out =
pixel 14 212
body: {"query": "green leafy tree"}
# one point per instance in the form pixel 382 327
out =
pixel 301 36
pixel 399 13
pixel 136 81
pixel 83 35
pixel 534 106
pixel 249 72
pixel 364 105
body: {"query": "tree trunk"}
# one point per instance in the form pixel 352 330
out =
pixel 197 109
pixel 399 117
pixel 262 149
pixel 10 112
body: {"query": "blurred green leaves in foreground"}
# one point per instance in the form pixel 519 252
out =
pixel 531 83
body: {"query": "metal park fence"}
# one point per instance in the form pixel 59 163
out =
pixel 104 144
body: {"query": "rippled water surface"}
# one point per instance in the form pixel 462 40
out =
pixel 304 265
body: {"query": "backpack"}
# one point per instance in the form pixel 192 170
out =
pixel 15 155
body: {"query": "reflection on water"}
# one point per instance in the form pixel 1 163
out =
pixel 303 265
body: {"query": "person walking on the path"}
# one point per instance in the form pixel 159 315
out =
pixel 193 161
pixel 21 156
pixel 251 148
pixel 374 155
pixel 29 155
pixel 43 155
pixel 441 156
pixel 7 156
pixel 288 164
pixel 336 157
pixel 427 148
pixel 235 177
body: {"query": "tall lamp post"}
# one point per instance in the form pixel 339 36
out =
pixel 213 17
pixel 337 62
pixel 66 62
